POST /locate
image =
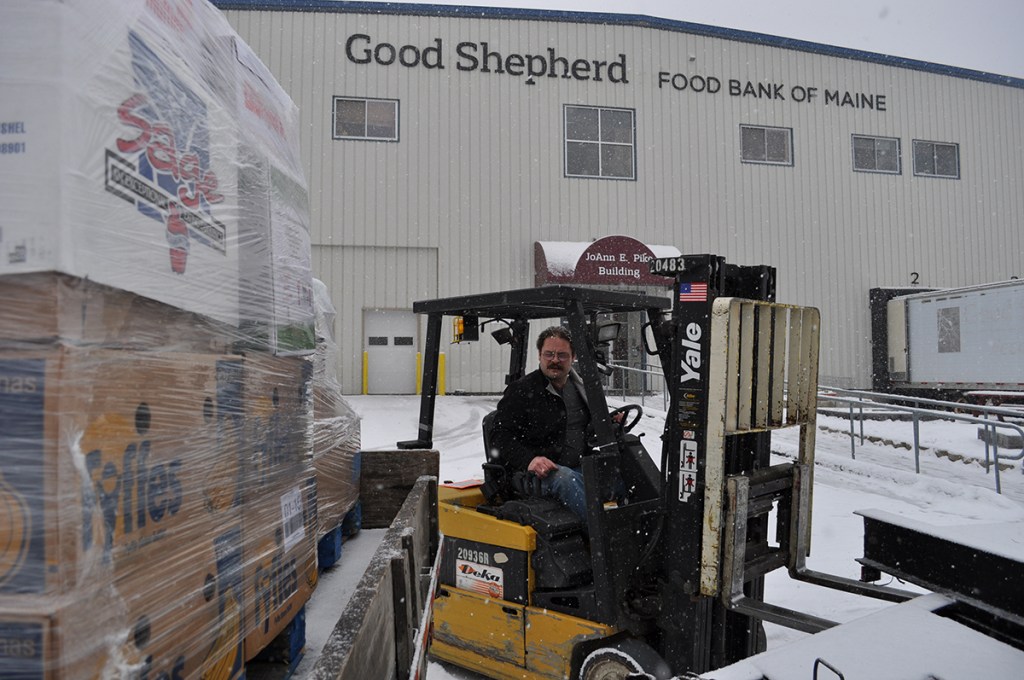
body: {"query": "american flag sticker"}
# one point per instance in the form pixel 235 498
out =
pixel 693 292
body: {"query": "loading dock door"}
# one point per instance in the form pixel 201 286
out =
pixel 389 338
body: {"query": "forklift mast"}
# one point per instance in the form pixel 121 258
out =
pixel 730 352
pixel 697 620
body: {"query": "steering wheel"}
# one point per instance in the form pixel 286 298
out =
pixel 626 410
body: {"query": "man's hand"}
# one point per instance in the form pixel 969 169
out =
pixel 541 466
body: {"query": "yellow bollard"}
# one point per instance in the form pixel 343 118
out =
pixel 419 373
pixel 366 372
pixel 440 373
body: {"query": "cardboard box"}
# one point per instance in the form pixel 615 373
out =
pixel 179 617
pixel 184 615
pixel 125 173
pixel 279 495
pixel 274 210
pixel 336 462
pixel 107 457
pixel 278 416
pixel 125 142
pixel 57 638
pixel 51 307
pixel 280 558
pixel 277 248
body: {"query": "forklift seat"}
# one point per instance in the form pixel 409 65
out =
pixel 498 484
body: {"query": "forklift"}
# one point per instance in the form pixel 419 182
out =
pixel 667 580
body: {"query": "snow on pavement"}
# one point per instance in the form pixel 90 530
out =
pixel 882 477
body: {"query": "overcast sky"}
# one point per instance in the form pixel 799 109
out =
pixel 984 35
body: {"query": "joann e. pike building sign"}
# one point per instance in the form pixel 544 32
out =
pixel 612 260
pixel 535 66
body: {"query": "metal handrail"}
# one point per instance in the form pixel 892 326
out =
pixel 946 411
pixel 884 398
pixel 858 400
pixel 654 372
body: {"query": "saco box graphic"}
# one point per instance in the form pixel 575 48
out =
pixel 125 166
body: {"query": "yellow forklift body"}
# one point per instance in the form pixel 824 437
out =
pixel 504 640
pixel 497 637
pixel 457 517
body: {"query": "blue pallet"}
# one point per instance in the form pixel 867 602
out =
pixel 286 649
pixel 328 548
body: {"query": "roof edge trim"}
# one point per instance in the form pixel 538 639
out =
pixel 637 20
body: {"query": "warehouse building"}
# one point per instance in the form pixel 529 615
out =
pixel 454 150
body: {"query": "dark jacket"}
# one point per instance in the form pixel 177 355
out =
pixel 529 422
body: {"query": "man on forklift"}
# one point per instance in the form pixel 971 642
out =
pixel 540 426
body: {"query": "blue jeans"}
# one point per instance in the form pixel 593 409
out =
pixel 565 485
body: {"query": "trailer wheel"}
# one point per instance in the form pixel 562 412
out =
pixel 627 658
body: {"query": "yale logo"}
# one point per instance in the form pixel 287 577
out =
pixel 690 362
pixel 130 492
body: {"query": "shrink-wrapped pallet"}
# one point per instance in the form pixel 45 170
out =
pixel 336 431
pixel 158 510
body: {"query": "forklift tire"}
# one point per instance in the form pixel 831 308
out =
pixel 624 659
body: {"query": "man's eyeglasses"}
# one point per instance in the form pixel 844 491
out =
pixel 561 356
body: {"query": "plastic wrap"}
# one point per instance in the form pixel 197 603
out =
pixel 336 428
pixel 158 499
pixel 144 148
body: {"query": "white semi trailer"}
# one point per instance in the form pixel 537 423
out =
pixel 958 340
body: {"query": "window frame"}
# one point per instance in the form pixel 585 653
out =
pixel 632 145
pixel 364 137
pixel 766 128
pixel 935 144
pixel 876 139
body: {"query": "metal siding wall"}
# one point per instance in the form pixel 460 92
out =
pixel 478 173
pixel 361 278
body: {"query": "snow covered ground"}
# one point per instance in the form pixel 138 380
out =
pixel 946 493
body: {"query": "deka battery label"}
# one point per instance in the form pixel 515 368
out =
pixel 480 578
pixel 22 476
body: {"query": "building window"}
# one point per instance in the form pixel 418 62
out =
pixel 374 119
pixel 936 159
pixel 599 142
pixel 876 154
pixel 770 145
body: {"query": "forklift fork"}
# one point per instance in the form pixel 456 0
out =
pixel 763 376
